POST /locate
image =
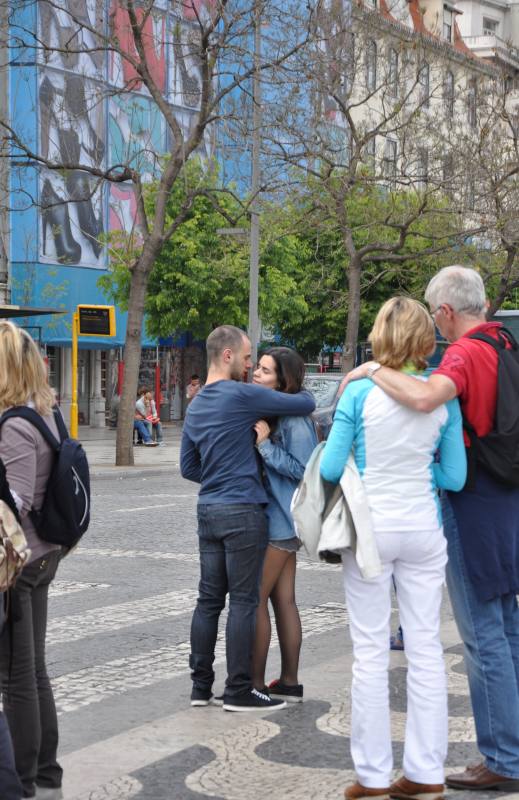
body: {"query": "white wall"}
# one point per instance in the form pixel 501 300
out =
pixel 470 22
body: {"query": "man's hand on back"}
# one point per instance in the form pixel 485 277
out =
pixel 355 375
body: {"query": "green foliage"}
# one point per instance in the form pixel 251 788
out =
pixel 372 218
pixel 201 278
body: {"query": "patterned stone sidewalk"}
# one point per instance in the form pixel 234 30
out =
pixel 118 645
pixel 301 752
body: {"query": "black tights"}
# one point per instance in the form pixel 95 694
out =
pixel 278 584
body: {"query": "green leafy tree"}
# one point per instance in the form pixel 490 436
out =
pixel 374 219
pixel 201 277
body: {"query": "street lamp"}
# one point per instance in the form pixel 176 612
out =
pixel 255 219
pixel 254 322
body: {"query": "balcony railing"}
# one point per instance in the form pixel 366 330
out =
pixel 493 46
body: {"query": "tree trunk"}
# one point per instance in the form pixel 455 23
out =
pixel 132 358
pixel 352 326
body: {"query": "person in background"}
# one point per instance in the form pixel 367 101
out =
pixel 193 387
pixel 285 445
pixel 394 449
pixel 146 407
pixel 26 690
pixel 143 432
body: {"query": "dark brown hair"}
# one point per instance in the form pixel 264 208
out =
pixel 290 368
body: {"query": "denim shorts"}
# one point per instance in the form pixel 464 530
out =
pixel 291 545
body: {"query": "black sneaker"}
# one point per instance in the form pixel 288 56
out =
pixel 204 697
pixel 252 701
pixel 292 694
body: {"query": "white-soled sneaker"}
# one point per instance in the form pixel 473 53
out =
pixel 44 793
pixel 252 701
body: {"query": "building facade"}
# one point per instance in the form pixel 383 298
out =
pixel 74 101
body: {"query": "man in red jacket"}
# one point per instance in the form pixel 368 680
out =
pixel 481 525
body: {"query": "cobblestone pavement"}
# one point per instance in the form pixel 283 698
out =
pixel 118 645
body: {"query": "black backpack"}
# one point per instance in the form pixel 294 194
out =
pixel 65 514
pixel 498 451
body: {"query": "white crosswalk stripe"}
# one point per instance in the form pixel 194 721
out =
pixel 59 588
pixel 73 627
pixel 93 684
pixel 192 558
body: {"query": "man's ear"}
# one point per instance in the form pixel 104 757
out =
pixel 227 355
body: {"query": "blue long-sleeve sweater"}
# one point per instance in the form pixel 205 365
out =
pixel 218 441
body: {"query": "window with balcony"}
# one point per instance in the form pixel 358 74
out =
pixel 389 160
pixel 448 173
pixel 369 152
pixel 472 104
pixel 393 72
pixel 470 194
pixel 490 27
pixel 422 167
pixel 423 85
pixel 448 93
pixel 371 65
pixel 349 77
pixel 448 23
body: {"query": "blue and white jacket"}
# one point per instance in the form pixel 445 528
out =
pixel 284 457
pixel 403 456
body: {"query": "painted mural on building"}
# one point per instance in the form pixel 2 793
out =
pixel 94 109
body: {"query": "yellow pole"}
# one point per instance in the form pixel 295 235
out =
pixel 73 405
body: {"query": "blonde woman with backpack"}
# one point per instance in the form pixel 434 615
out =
pixel 26 690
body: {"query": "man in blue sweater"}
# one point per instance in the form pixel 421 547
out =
pixel 218 451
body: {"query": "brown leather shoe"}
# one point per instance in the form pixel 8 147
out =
pixel 404 789
pixel 480 777
pixel 358 792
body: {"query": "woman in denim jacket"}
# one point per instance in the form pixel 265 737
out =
pixel 285 446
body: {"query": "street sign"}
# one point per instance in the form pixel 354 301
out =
pixel 96 320
pixel 232 231
pixel 87 321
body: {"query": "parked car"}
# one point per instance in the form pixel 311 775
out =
pixel 325 389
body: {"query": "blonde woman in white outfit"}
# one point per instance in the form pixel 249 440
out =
pixel 394 448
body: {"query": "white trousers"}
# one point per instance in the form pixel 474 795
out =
pixel 417 562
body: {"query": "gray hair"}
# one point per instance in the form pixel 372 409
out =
pixel 223 338
pixel 461 288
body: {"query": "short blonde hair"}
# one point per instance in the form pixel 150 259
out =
pixel 23 374
pixel 403 332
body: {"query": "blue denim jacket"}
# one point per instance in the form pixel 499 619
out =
pixel 284 457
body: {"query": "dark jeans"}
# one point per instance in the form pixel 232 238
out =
pixel 10 786
pixel 142 430
pixel 27 693
pixel 233 540
pixel 490 633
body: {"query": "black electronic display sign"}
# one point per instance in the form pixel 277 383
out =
pixel 96 320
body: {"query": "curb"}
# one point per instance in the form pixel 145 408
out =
pixel 100 473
